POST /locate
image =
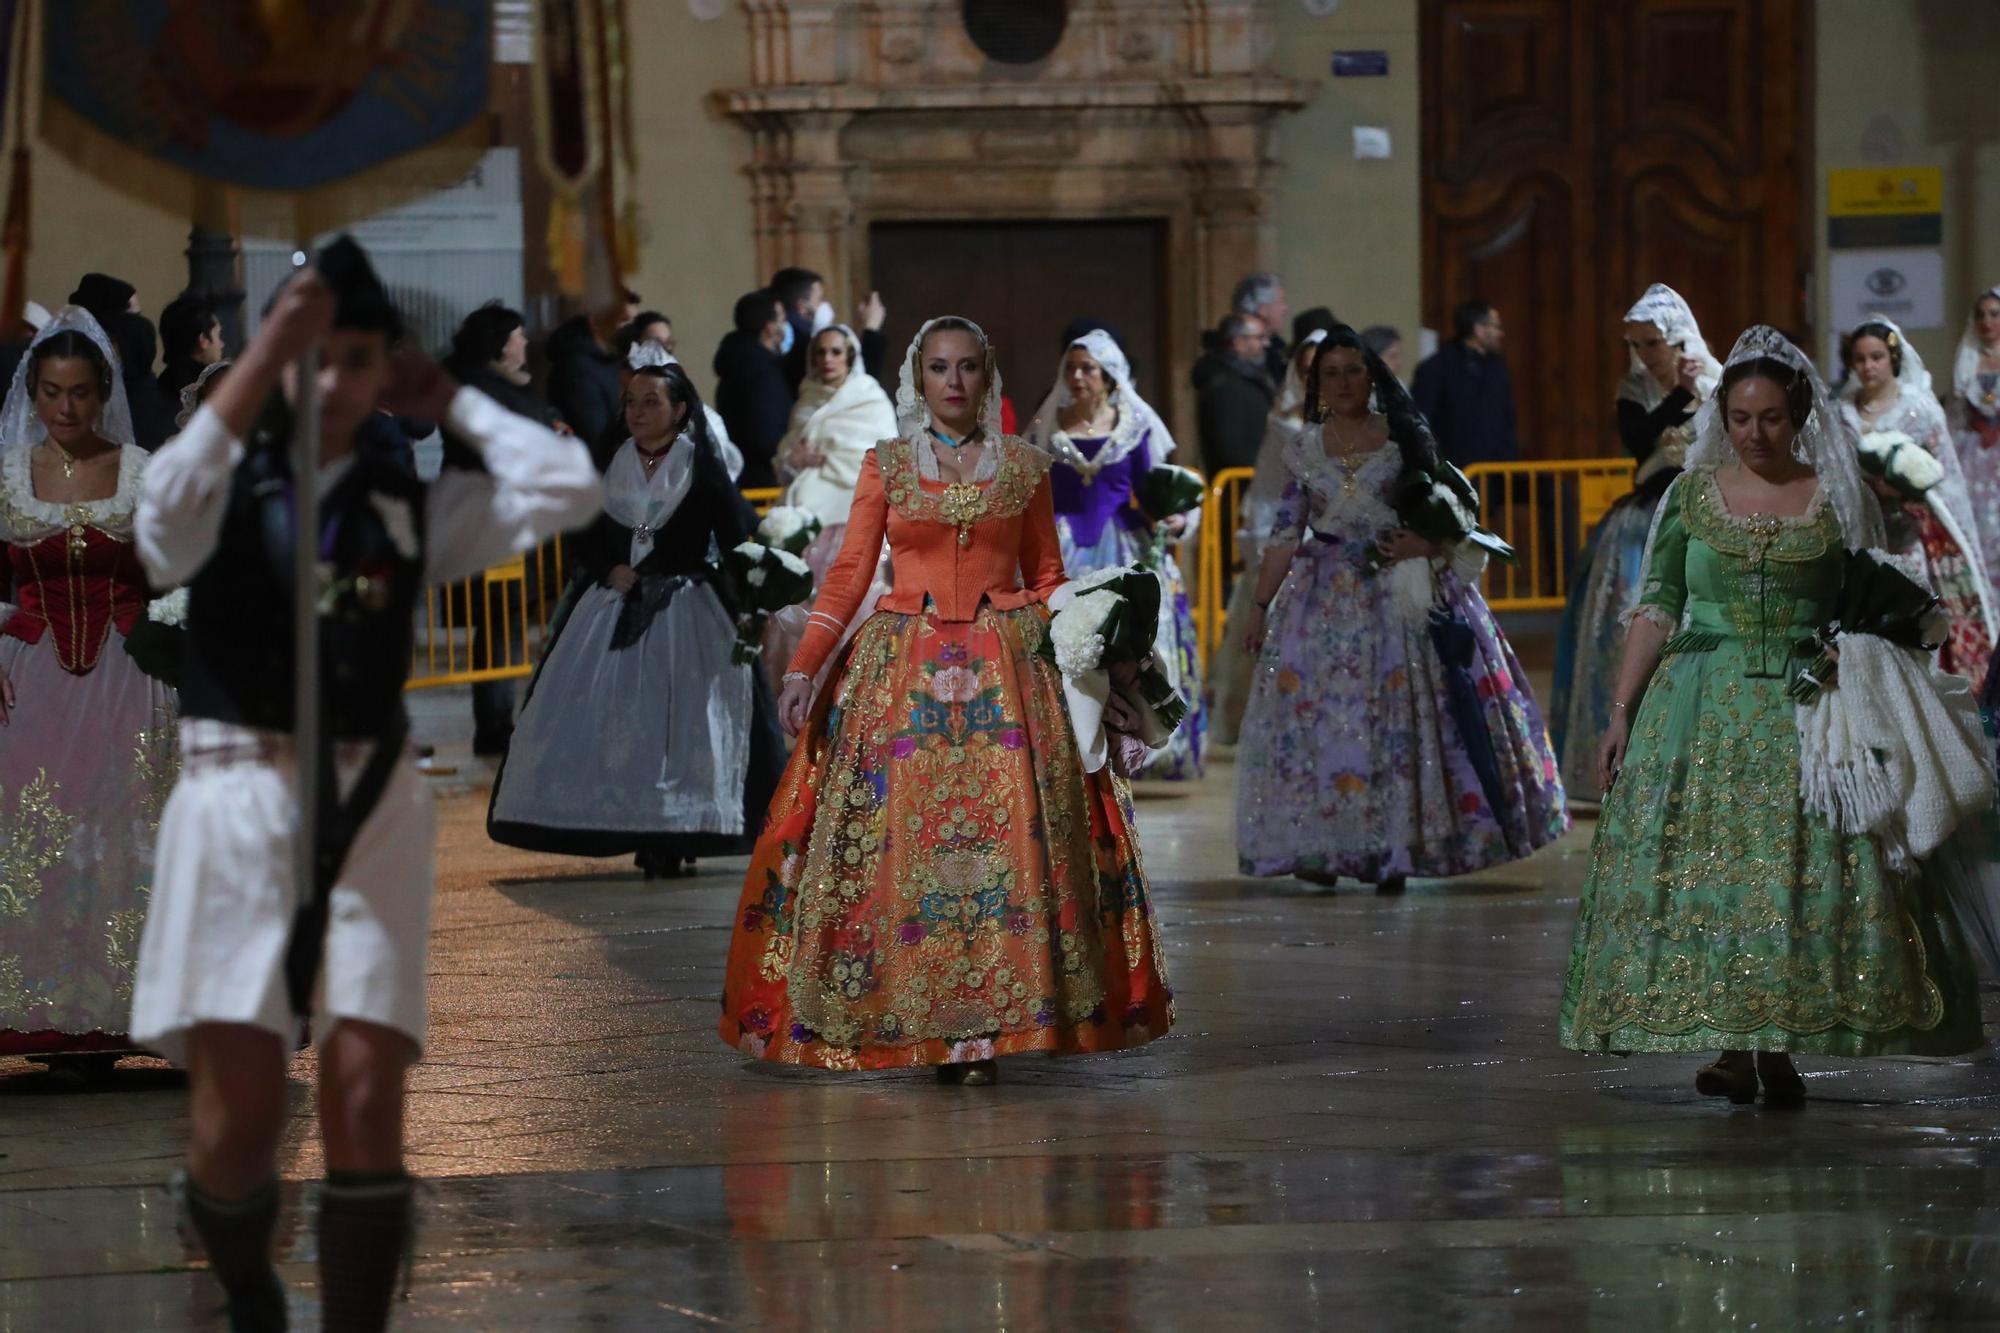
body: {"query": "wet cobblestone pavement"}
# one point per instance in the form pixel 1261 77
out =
pixel 1361 1121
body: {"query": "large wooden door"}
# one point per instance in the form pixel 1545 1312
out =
pixel 1576 151
pixel 1023 282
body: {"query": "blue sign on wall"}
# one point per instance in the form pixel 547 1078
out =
pixel 1360 64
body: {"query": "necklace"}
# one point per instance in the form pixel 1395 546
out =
pixel 947 441
pixel 650 458
pixel 1350 478
pixel 64 459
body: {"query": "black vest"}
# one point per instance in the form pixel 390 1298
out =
pixel 238 661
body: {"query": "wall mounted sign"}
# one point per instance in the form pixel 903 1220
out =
pixel 1877 207
pixel 1360 64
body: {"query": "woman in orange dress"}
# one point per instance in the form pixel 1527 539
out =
pixel 940 882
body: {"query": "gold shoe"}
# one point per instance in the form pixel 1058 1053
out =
pixel 1736 1082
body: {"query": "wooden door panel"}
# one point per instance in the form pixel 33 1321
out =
pixel 1022 282
pixel 1576 151
pixel 1512 64
pixel 1518 254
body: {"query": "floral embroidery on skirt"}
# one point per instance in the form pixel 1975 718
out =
pixel 939 880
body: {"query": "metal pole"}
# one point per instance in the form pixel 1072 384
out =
pixel 305 618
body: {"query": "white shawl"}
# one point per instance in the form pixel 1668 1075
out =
pixel 841 425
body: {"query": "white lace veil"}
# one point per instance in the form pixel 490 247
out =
pixel 18 422
pixel 1822 444
pixel 913 414
pixel 1136 418
pixel 1291 400
pixel 1666 310
pixel 1913 381
pixel 191 392
pixel 1965 366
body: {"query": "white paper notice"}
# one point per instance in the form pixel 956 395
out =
pixel 1905 285
pixel 1371 141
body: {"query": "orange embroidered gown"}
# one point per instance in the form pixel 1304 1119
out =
pixel 939 880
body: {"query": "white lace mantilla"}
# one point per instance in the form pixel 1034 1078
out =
pixel 25 518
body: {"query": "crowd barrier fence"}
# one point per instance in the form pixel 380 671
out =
pixel 493 626
pixel 1543 509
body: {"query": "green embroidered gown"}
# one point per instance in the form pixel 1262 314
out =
pixel 1717 913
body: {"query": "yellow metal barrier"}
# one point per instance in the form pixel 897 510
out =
pixel 1544 510
pixel 493 626
pixel 1217 558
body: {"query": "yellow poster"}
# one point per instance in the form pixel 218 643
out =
pixel 1863 192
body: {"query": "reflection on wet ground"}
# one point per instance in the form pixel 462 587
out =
pixel 1361 1121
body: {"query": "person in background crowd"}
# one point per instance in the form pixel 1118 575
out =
pixel 1263 296
pixel 1232 665
pixel 1974 416
pixel 801 292
pixel 653 327
pixel 190 339
pixel 750 388
pixel 104 296
pixel 583 374
pixel 1319 319
pixel 1464 391
pixel 1233 394
pixel 490 353
pixel 1387 343
pixel 152 411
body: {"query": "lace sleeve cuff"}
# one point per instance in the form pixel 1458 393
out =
pixel 1652 615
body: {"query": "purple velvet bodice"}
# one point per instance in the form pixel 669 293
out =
pixel 1108 495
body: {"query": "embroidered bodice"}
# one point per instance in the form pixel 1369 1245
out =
pixel 1763 582
pixel 1344 499
pixel 25 518
pixel 1088 502
pixel 71 570
pixel 953 545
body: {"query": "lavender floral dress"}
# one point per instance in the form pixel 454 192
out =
pixel 1355 757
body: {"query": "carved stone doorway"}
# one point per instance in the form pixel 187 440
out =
pixel 1153 112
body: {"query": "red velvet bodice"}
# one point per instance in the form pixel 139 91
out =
pixel 76 584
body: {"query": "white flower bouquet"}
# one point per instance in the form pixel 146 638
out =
pixel 1899 461
pixel 789 528
pixel 1101 641
pixel 169 608
pixel 761 579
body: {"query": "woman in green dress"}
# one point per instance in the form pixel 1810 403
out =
pixel 1721 911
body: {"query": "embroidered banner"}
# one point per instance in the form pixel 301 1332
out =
pixel 280 96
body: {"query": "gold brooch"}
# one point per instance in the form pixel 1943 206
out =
pixel 963 503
